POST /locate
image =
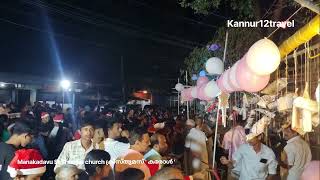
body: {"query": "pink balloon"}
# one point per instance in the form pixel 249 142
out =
pixel 233 77
pixel 226 83
pixel 249 81
pixel 186 94
pixel 201 93
pixel 311 171
pixel 202 80
pixel 220 84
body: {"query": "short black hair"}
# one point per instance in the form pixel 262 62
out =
pixel 22 127
pixel 131 174
pixel 86 123
pixel 136 135
pixel 94 156
pixel 111 122
pixel 99 124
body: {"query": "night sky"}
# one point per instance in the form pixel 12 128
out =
pixel 90 37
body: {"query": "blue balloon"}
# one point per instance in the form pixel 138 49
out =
pixel 194 77
pixel 202 73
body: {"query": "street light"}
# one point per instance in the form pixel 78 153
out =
pixel 65 84
pixel 2 84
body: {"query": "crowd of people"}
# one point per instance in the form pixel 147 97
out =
pixel 43 142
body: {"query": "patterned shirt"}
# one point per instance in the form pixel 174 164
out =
pixel 73 153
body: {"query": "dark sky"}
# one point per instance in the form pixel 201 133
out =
pixel 90 37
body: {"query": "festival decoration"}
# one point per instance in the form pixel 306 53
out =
pixel 301 36
pixel 202 73
pixel 249 81
pixel 225 81
pixel 214 65
pixel 179 87
pixel 250 120
pixel 307 108
pixel 201 93
pixel 223 105
pixel 220 85
pixel 202 80
pixel 260 125
pixel 194 92
pixel 194 77
pixel 285 103
pixel 213 47
pixel 233 77
pixel 186 94
pixel 275 86
pixel 263 57
pixel 211 89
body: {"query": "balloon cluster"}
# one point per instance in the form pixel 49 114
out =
pixel 252 72
pixel 205 90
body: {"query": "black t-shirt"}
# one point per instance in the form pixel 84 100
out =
pixel 6 155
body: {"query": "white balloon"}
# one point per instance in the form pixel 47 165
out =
pixel 214 65
pixel 194 92
pixel 233 75
pixel 263 57
pixel 212 90
pixel 179 87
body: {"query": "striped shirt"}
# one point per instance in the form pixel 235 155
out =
pixel 73 153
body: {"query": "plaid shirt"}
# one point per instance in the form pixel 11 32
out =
pixel 73 153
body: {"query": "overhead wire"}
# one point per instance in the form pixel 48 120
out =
pixel 285 20
pixel 101 23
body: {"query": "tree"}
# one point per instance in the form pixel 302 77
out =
pixel 240 39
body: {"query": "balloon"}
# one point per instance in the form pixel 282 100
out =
pixel 263 57
pixel 201 93
pixel 211 89
pixel 220 85
pixel 311 171
pixel 225 81
pixel 186 94
pixel 194 77
pixel 179 87
pixel 249 81
pixel 202 73
pixel 194 92
pixel 214 65
pixel 233 77
pixel 202 80
pixel 213 47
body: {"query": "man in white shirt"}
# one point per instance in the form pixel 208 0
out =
pixel 113 147
pixel 255 160
pixel 74 152
pixel 196 144
pixel 297 151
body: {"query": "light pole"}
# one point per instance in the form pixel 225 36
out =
pixel 65 84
